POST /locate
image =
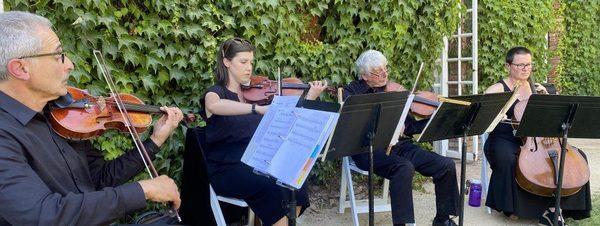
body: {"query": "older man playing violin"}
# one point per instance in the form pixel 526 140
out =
pixel 44 180
pixel 405 156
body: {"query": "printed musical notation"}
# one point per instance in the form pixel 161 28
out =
pixel 288 140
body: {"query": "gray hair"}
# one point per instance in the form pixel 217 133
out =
pixel 19 37
pixel 367 60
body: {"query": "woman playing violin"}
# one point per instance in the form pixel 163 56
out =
pixel 502 148
pixel 230 124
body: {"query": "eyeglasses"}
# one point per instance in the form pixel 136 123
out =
pixel 522 66
pixel 62 56
pixel 239 41
pixel 380 72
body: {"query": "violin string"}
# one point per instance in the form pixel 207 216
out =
pixel 137 107
pixel 130 106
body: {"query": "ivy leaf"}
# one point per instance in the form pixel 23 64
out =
pixel 177 74
pixel 148 82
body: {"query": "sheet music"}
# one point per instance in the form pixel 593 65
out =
pixel 300 148
pixel 502 114
pixel 265 142
pixel 288 140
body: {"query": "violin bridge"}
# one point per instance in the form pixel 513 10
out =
pixel 101 103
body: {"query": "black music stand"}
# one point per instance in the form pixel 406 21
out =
pixel 453 120
pixel 560 116
pixel 367 122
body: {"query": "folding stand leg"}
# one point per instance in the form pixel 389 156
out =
pixel 563 154
pixel 292 208
pixel 371 195
pixel 463 168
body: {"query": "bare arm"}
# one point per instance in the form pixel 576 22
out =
pixel 496 88
pixel 215 105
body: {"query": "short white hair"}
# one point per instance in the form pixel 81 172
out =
pixel 19 37
pixel 368 60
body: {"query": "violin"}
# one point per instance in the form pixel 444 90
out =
pixel 90 116
pixel 424 103
pixel 261 89
pixel 85 116
pixel 537 163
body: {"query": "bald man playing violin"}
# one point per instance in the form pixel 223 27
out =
pixel 405 157
pixel 44 180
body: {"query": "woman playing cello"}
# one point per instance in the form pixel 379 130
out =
pixel 502 148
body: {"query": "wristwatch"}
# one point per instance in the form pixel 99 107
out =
pixel 254 109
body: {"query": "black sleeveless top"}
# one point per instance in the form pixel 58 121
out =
pixel 503 129
pixel 227 136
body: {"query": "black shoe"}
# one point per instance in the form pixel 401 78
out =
pixel 547 218
pixel 448 222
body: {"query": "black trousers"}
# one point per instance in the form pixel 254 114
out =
pixel 399 167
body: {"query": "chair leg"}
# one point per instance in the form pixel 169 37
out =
pixel 216 208
pixel 484 178
pixel 485 182
pixel 343 187
pixel 250 217
pixel 386 191
pixel 351 193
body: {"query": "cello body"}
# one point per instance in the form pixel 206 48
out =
pixel 538 162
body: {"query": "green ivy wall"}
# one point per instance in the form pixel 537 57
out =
pixel 579 48
pixel 163 51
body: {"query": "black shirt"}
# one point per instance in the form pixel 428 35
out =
pixel 44 180
pixel 227 136
pixel 411 126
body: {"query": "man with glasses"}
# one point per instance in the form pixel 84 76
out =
pixel 502 147
pixel 44 180
pixel 405 157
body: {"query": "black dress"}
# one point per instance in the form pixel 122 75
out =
pixel 226 140
pixel 504 194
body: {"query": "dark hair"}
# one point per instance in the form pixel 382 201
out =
pixel 229 49
pixel 510 55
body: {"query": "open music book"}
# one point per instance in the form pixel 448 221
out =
pixel 288 140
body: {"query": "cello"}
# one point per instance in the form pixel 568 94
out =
pixel 537 163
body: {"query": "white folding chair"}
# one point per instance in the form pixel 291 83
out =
pixel 359 206
pixel 485 181
pixel 216 208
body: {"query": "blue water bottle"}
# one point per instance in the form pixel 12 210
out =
pixel 475 193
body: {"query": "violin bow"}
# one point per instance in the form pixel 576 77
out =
pixel 132 131
pixel 400 127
